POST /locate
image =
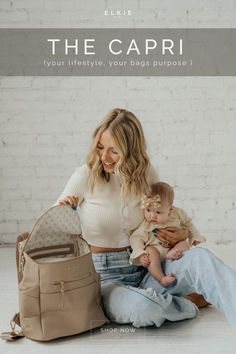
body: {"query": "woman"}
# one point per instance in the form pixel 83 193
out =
pixel 107 190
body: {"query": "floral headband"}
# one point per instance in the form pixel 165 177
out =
pixel 154 201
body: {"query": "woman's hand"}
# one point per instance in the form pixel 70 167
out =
pixel 71 200
pixel 172 235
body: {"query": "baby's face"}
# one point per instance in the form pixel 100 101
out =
pixel 157 215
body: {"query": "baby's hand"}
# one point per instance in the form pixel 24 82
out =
pixel 144 260
pixel 195 243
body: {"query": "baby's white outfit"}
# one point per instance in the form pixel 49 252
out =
pixel 146 234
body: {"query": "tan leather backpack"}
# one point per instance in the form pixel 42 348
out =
pixel 59 289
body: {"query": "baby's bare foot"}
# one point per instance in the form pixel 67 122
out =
pixel 167 280
pixel 174 254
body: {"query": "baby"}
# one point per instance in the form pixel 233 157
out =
pixel 159 213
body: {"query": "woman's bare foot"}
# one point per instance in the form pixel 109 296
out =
pixel 174 254
pixel 167 280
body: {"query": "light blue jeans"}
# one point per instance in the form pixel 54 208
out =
pixel 131 295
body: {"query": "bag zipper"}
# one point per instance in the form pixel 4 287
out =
pixel 62 282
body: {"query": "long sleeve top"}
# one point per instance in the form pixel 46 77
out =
pixel 105 220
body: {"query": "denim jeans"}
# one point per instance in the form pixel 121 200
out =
pixel 200 271
pixel 125 302
pixel 131 295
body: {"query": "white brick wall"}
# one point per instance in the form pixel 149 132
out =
pixel 90 13
pixel 189 122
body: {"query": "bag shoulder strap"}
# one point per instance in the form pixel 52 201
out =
pixel 20 238
pixel 14 334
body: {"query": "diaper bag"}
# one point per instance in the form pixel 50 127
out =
pixel 59 289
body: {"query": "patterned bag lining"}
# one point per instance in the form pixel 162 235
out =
pixel 56 235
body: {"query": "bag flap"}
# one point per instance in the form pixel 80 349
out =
pixel 57 226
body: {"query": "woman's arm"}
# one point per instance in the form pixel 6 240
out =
pixel 172 235
pixel 75 188
pixel 186 223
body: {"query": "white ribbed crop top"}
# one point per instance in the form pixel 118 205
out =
pixel 105 221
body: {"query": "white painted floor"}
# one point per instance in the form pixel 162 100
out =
pixel 208 333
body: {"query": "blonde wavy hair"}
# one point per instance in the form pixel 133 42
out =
pixel 134 163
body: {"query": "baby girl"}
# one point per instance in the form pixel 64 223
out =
pixel 160 213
